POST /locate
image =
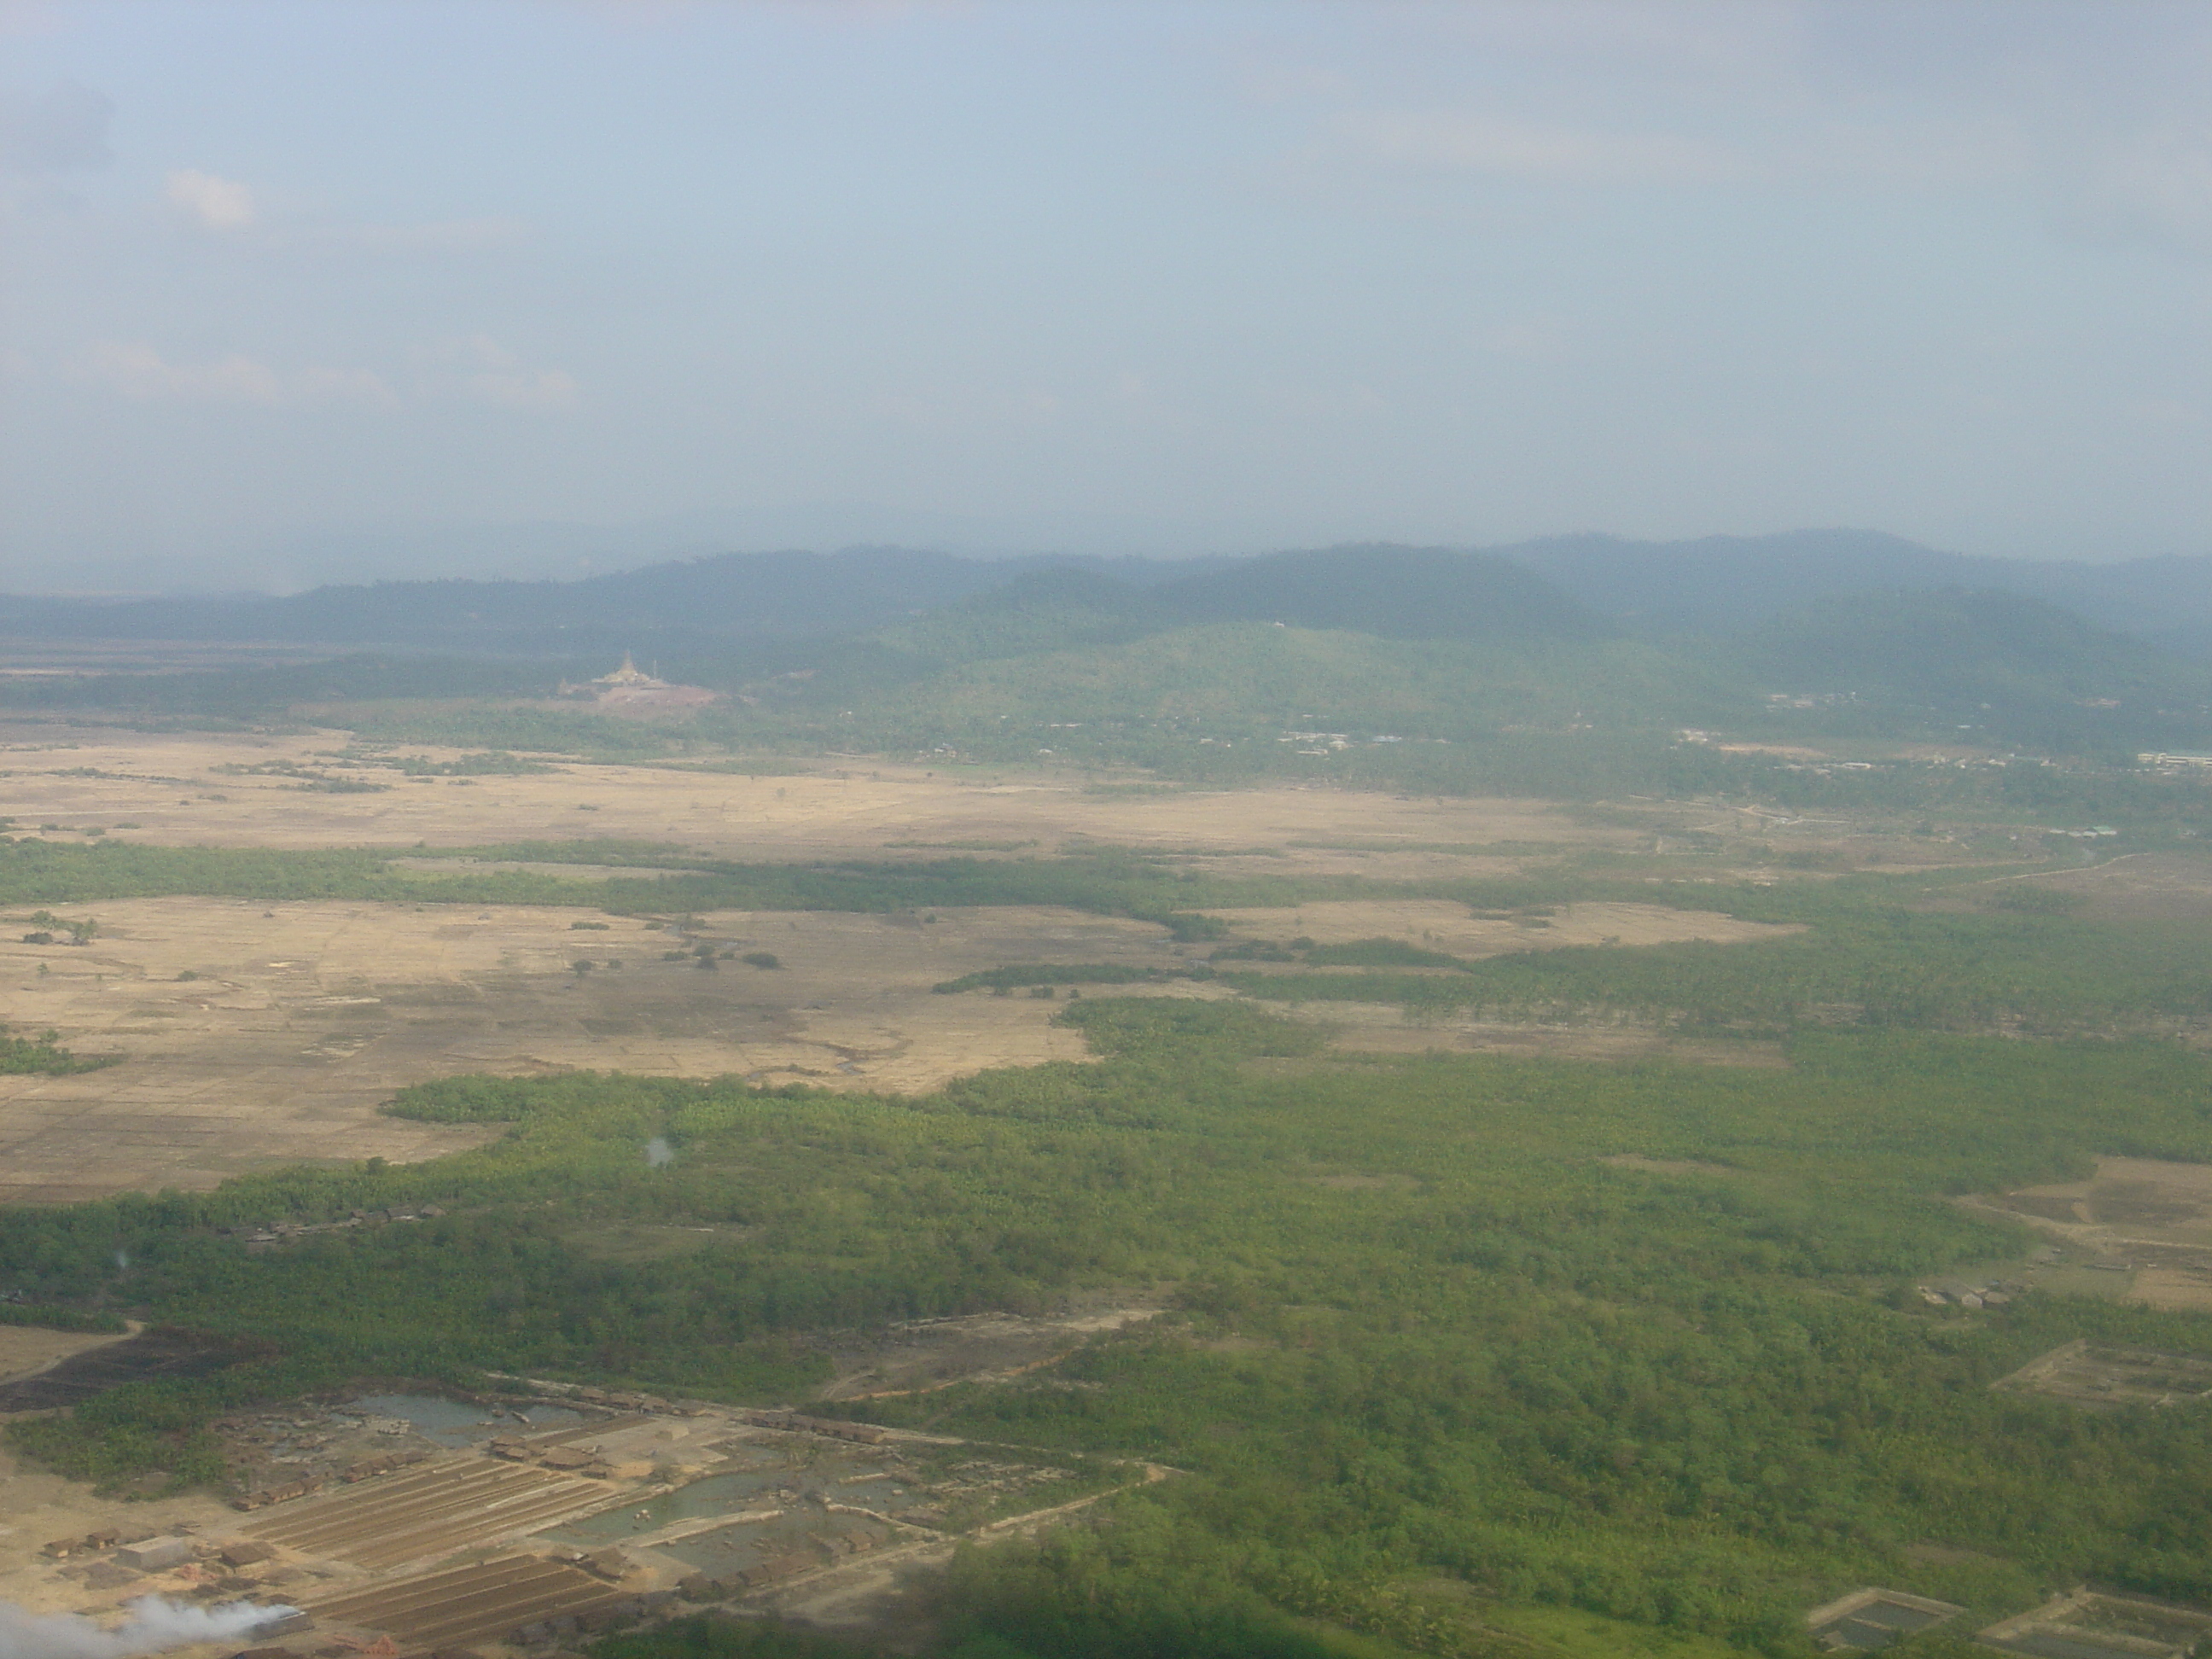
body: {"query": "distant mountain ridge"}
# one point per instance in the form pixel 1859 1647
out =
pixel 1711 585
pixel 731 596
pixel 1390 593
pixel 1820 635
pixel 1423 594
pixel 1717 584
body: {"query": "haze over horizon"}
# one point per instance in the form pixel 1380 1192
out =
pixel 297 294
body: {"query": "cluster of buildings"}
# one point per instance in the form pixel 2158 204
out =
pixel 1958 1293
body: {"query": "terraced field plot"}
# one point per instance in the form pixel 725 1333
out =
pixel 460 1504
pixel 478 1603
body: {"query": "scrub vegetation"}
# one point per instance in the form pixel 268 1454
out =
pixel 1422 1334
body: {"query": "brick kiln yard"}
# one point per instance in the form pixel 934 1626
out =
pixel 525 1521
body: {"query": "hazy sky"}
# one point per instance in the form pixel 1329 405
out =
pixel 294 288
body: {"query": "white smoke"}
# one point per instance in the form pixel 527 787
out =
pixel 155 1625
pixel 658 1152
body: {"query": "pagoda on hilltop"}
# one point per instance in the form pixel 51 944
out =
pixel 629 688
pixel 630 675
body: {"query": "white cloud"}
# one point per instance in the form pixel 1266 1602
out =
pixel 317 383
pixel 474 369
pixel 212 202
pixel 216 203
pixel 139 372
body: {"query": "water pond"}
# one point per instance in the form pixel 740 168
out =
pixel 455 1422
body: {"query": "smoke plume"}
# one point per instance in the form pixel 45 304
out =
pixel 155 1625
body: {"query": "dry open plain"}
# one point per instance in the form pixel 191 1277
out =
pixel 173 789
pixel 249 1033
pixel 304 1015
pixel 1441 925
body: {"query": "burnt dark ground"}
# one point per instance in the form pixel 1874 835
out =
pixel 150 1354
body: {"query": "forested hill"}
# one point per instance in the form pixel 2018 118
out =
pixel 1579 585
pixel 1722 583
pixel 1452 647
pixel 2013 669
pixel 733 596
pixel 1392 592
pixel 1386 592
pixel 924 651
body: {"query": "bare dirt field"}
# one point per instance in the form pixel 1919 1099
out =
pixel 251 1033
pixel 2146 1223
pixel 2106 1374
pixel 304 1015
pixel 36 1507
pixel 1441 925
pixel 920 1356
pixel 2131 887
pixel 1377 1028
pixel 25 1351
pixel 167 786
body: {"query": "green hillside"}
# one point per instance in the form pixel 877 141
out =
pixel 1485 675
pixel 1394 592
pixel 1427 643
pixel 1233 676
pixel 2013 668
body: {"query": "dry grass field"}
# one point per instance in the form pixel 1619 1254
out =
pixel 1381 1028
pixel 25 1350
pixel 300 1018
pixel 1440 925
pixel 2131 887
pixel 251 1033
pixel 304 1015
pixel 171 788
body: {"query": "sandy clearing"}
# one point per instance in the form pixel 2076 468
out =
pixel 2154 1216
pixel 306 1015
pixel 1442 925
pixel 2139 1198
pixel 1376 1028
pixel 2175 1289
pixel 2133 887
pixel 25 1350
pixel 160 782
pixel 36 1507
